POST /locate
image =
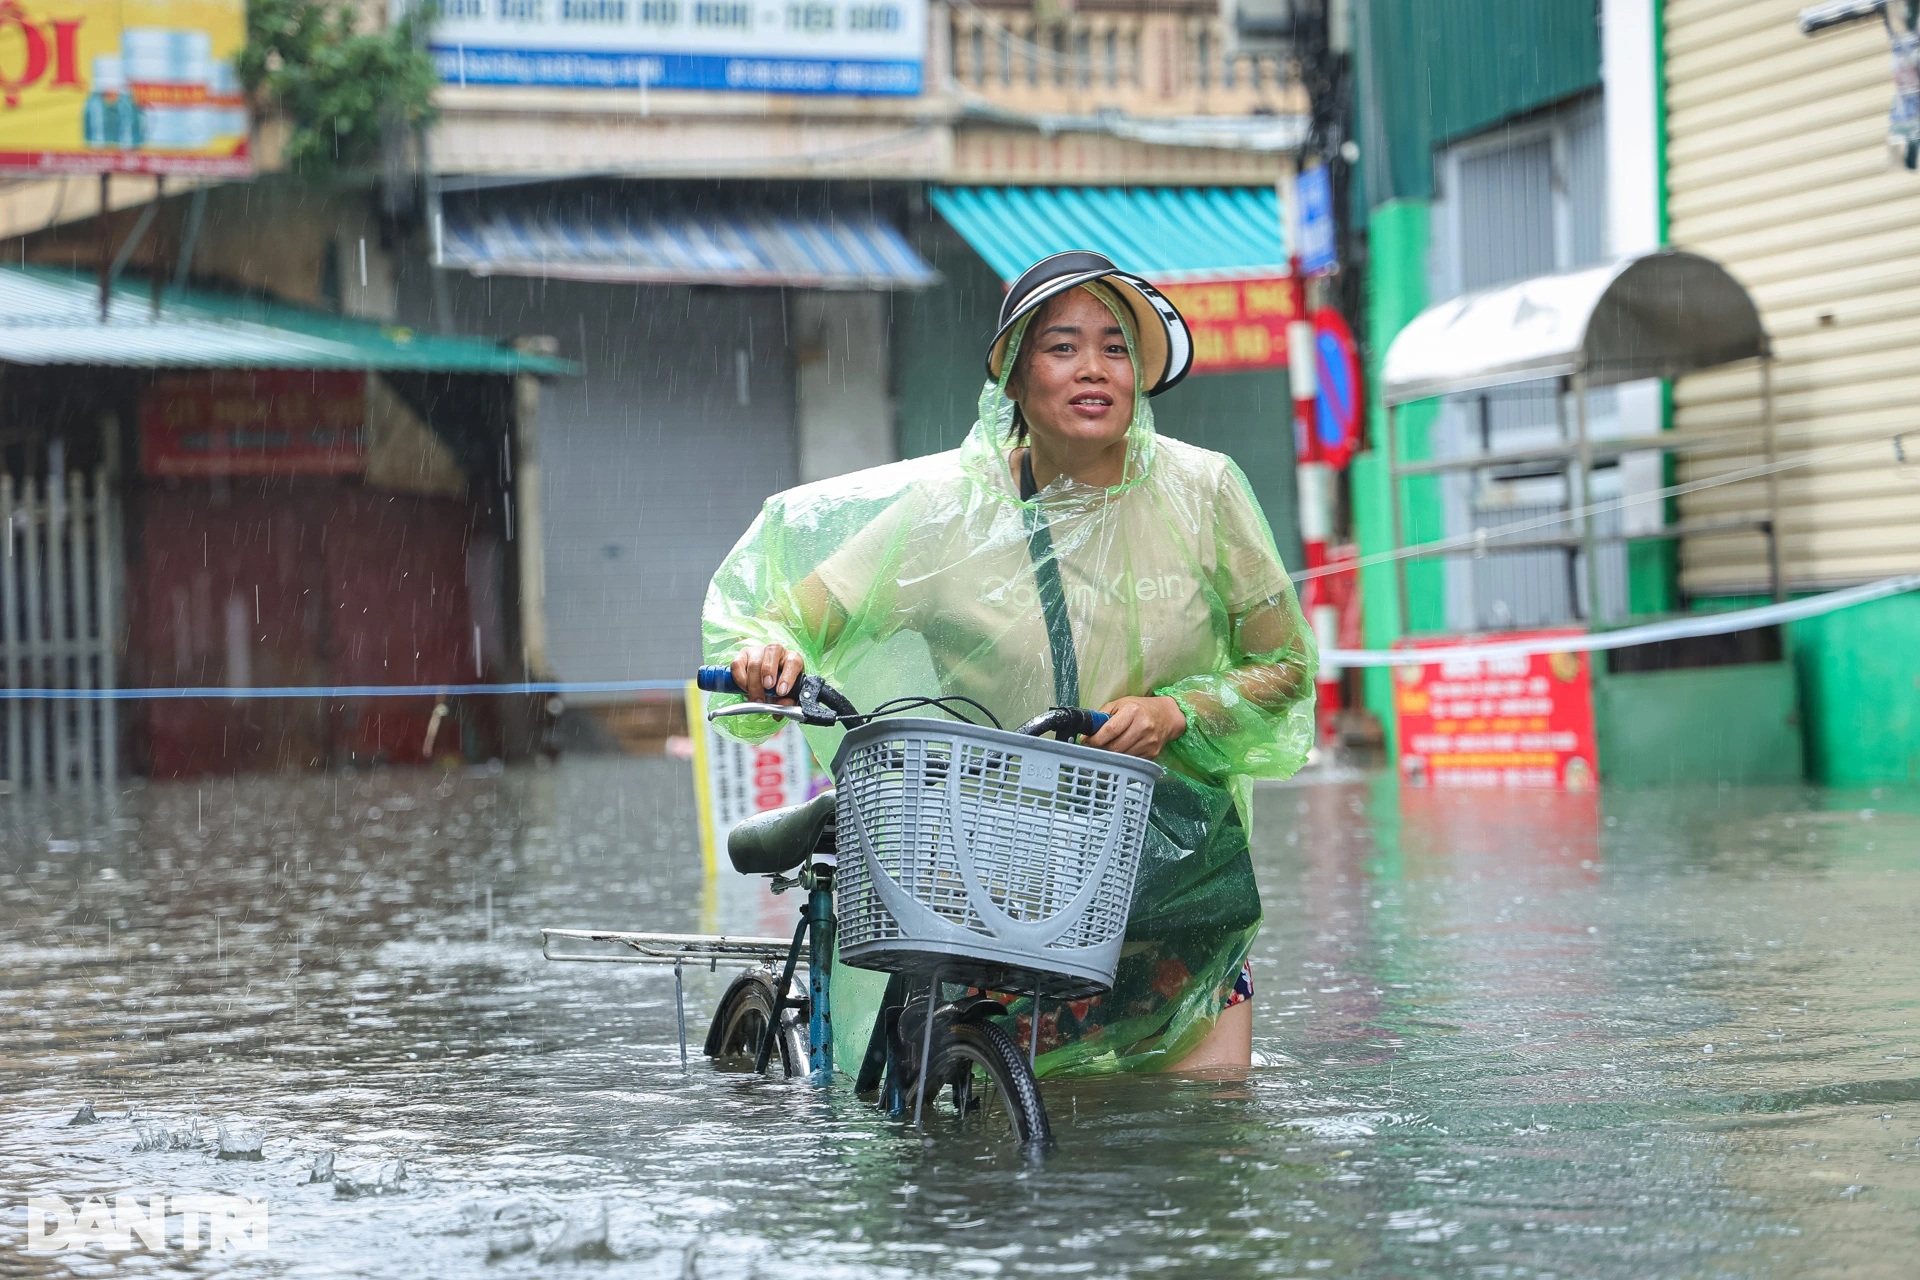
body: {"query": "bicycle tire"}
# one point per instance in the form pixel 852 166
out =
pixel 733 1038
pixel 987 1081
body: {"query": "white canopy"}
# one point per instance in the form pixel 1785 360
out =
pixel 1657 315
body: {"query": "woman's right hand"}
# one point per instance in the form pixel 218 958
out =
pixel 768 672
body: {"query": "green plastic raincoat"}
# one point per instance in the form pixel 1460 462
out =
pixel 926 576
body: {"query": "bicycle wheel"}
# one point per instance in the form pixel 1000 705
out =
pixel 991 1088
pixel 740 1023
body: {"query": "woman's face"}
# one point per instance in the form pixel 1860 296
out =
pixel 1074 384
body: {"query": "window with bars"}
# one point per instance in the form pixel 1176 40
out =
pixel 1524 200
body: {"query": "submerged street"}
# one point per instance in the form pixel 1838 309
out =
pixel 1645 1033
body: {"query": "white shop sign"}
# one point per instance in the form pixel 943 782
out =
pixel 852 47
pixel 733 780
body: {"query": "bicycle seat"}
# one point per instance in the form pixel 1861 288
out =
pixel 779 839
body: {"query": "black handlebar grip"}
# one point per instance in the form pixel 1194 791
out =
pixel 717 680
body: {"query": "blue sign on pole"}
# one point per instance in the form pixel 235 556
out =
pixel 1315 193
pixel 858 48
pixel 1337 362
pixel 1338 416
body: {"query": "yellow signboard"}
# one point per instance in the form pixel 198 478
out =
pixel 123 86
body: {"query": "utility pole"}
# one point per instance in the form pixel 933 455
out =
pixel 1320 43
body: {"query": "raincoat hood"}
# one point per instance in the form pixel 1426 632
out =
pixel 984 452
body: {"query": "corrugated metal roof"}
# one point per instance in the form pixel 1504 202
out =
pixel 589 236
pixel 53 318
pixel 1167 234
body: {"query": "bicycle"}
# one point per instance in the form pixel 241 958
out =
pixel 942 890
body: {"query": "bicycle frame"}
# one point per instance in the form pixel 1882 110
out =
pixel 816 930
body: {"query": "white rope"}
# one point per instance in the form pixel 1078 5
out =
pixel 1706 624
pixel 1489 538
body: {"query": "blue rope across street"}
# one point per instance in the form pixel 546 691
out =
pixel 348 690
pixel 1701 624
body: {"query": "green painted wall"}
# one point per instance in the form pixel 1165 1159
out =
pixel 1860 678
pixel 1737 723
pixel 939 342
pixel 1859 688
pixel 1396 288
pixel 1433 70
pixel 1653 568
pixel 939 352
pixel 1653 571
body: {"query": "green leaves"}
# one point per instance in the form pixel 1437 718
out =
pixel 341 86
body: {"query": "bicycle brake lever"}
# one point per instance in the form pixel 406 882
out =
pixel 808 706
pixel 758 709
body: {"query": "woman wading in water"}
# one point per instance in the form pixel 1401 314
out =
pixel 1065 554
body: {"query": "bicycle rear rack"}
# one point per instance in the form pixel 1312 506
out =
pixel 665 948
pixel 675 949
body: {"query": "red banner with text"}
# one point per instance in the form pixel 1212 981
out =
pixel 1237 325
pixel 1522 721
pixel 254 422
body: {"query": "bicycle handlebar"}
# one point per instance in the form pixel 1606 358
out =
pixel 818 703
pixel 815 701
pixel 1065 723
pixel 717 680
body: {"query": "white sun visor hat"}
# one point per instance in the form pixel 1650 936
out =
pixel 1165 346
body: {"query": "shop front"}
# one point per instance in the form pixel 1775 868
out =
pixel 282 541
pixel 733 341
pixel 260 501
pixel 1688 709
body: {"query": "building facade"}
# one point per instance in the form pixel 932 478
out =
pixel 1777 164
pixel 1482 161
pixel 761 288
pixel 1625 128
pixel 733 237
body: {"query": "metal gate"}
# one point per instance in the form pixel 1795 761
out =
pixel 60 586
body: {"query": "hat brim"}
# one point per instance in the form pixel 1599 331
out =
pixel 1163 343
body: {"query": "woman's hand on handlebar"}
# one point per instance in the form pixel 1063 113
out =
pixel 1140 726
pixel 769 667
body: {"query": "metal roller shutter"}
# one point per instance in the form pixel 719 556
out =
pixel 1776 166
pixel 654 459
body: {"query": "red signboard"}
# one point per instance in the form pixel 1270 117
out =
pixel 251 422
pixel 1522 721
pixel 1237 324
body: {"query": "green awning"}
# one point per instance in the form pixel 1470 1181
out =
pixel 1167 234
pixel 49 317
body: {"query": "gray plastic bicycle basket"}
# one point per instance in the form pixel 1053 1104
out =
pixel 999 860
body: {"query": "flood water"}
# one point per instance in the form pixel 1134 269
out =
pixel 1641 1034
